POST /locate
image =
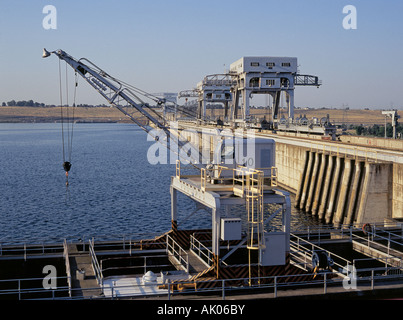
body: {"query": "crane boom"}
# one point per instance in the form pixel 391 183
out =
pixel 125 98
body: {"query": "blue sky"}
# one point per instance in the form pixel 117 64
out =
pixel 171 45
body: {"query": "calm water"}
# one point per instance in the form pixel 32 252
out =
pixel 113 189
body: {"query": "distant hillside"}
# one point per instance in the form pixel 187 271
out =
pixel 53 114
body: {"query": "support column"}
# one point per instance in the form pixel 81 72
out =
pixel 226 111
pixel 174 209
pixel 290 94
pixel 245 97
pixel 215 245
pixel 286 219
pixel 216 231
pixel 235 103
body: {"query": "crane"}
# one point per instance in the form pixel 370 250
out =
pixel 126 98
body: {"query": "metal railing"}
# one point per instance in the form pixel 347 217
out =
pixel 305 248
pixel 272 286
pixel 67 261
pixel 95 264
pixel 136 268
pixel 175 250
pixel 30 248
pixel 203 252
pixel 355 152
pixel 28 287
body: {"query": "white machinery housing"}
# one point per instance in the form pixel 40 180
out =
pixel 265 75
pixel 255 153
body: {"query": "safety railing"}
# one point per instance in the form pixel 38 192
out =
pixel 178 169
pixel 223 173
pixel 358 280
pixel 355 152
pixel 35 288
pixel 175 250
pixel 95 264
pixel 33 248
pixel 369 242
pixel 136 265
pixel 306 248
pixel 203 176
pixel 67 262
pixel 203 252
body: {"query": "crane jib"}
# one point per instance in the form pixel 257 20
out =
pixel 116 91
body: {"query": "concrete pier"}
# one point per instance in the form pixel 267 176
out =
pixel 301 181
pixel 334 190
pixel 344 197
pixel 320 185
pixel 326 187
pixel 307 180
pixel 376 199
pixel 342 190
pixel 314 179
pixel 355 192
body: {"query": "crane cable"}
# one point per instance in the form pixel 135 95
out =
pixel 69 120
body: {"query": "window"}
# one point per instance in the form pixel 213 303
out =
pixel 286 64
pixel 270 64
pixel 270 82
pixel 254 83
pixel 254 64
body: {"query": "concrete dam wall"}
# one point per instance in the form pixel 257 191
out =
pixel 342 190
pixel 338 188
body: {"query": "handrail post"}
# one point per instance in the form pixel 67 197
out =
pixel 372 279
pixel 187 262
pixel 223 289
pixel 324 284
pixel 275 287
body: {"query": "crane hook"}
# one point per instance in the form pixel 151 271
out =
pixel 66 167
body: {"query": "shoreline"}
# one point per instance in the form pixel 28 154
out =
pixel 53 115
pixel 18 114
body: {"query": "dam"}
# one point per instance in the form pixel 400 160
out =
pixel 353 186
pixel 340 182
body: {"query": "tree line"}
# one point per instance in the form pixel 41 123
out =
pixel 31 103
pixel 22 103
pixel 377 130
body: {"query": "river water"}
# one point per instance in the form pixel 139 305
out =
pixel 113 189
